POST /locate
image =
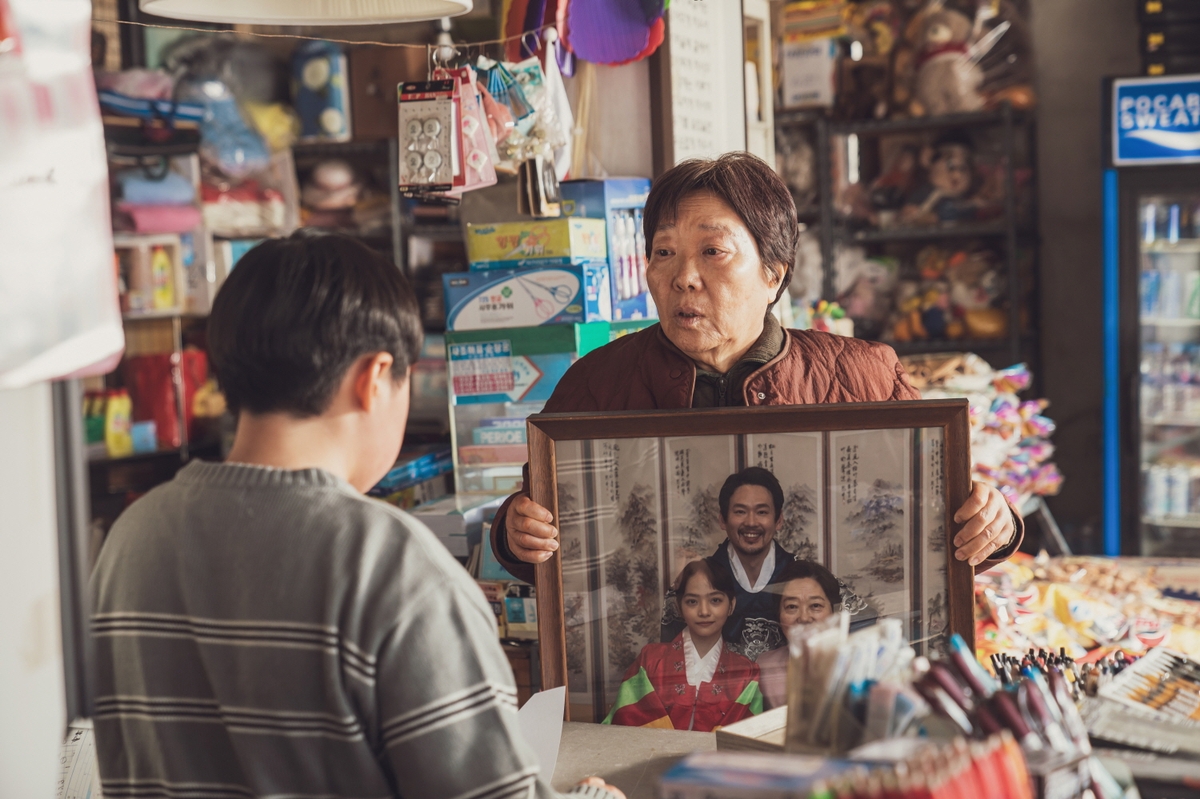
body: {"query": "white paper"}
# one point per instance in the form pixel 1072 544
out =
pixel 80 775
pixel 541 722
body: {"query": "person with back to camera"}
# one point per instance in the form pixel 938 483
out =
pixel 262 628
pixel 721 238
pixel 805 593
pixel 694 682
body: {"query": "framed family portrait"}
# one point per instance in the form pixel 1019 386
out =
pixel 866 491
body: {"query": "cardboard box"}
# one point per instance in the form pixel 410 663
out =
pixel 497 436
pixel 619 202
pixel 520 611
pixel 493 592
pixel 509 453
pixel 537 242
pixel 807 68
pixel 515 365
pixel 497 378
pixel 542 295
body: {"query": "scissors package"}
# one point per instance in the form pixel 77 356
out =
pixel 543 295
pixel 536 242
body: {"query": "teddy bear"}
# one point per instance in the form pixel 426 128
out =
pixel 946 195
pixel 947 78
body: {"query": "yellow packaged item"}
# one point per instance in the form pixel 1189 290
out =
pixel 537 242
pixel 162 272
pixel 118 415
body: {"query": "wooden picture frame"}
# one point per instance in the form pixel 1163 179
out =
pixel 630 512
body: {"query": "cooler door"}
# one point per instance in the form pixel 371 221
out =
pixel 1168 385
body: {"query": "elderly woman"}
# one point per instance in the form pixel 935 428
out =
pixel 722 238
pixel 806 593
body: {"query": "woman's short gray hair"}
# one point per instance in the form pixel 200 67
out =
pixel 749 186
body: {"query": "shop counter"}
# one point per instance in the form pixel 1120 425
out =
pixel 631 758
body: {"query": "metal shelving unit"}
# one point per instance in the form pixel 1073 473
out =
pixel 1007 233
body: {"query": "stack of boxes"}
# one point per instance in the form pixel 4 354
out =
pixel 539 295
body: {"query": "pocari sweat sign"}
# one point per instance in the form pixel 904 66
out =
pixel 1156 120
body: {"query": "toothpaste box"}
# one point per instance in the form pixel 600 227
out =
pixel 538 242
pixel 619 202
pixel 542 295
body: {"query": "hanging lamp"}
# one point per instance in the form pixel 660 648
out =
pixel 306 12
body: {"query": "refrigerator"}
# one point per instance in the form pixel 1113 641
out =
pixel 1151 278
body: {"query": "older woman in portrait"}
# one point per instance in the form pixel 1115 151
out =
pixel 721 240
pixel 807 593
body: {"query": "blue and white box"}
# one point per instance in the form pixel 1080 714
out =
pixel 550 295
pixel 619 202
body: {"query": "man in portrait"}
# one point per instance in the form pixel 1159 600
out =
pixel 751 510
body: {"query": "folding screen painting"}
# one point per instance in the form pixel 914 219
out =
pixel 865 488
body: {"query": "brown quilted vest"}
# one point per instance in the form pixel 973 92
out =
pixel 645 371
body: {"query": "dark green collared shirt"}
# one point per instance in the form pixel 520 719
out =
pixel 719 391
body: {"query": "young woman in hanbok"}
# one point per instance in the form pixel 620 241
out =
pixel 694 682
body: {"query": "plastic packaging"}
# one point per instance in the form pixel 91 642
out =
pixel 58 287
pixel 118 418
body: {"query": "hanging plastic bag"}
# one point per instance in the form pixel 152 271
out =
pixel 540 133
pixel 559 106
pixel 58 284
pixel 477 147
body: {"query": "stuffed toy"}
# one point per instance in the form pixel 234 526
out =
pixel 947 78
pixel 946 196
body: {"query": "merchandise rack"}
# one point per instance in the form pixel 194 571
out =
pixel 1008 232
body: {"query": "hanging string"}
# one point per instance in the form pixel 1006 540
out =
pixel 261 35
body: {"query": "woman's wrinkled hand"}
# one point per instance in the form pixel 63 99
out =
pixel 532 537
pixel 987 523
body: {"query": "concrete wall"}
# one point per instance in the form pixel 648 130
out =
pixel 1076 42
pixel 31 668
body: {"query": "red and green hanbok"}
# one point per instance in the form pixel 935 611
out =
pixel 656 693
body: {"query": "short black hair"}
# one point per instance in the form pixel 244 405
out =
pixel 751 476
pixel 718 577
pixel 297 312
pixel 749 186
pixel 801 569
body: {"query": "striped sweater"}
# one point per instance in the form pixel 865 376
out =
pixel 271 633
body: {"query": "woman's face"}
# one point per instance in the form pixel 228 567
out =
pixel 704 608
pixel 708 281
pixel 803 602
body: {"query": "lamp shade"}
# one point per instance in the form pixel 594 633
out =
pixel 306 12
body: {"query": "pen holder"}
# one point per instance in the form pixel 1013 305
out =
pixel 841 733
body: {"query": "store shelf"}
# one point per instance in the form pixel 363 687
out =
pixel 1158 321
pixel 797 118
pixel 1191 520
pixel 1166 247
pixel 321 149
pixel 1172 421
pixel 960 345
pixel 923 233
pixel 809 215
pixel 137 456
pixel 436 232
pixel 169 313
pixel 879 127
